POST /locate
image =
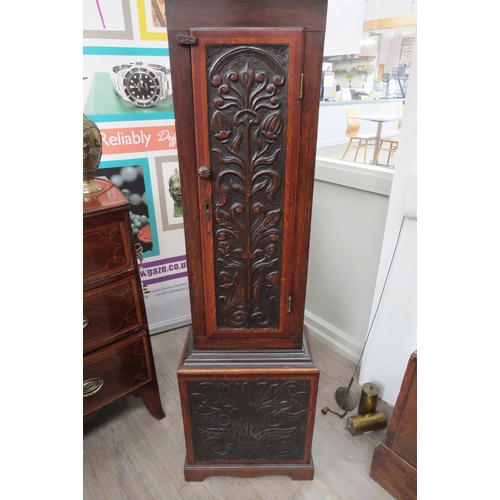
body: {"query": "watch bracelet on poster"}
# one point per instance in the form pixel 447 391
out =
pixel 142 84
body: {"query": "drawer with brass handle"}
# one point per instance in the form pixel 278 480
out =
pixel 115 371
pixel 110 313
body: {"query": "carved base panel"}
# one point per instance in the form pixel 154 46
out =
pixel 248 413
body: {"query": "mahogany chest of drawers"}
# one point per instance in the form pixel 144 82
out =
pixel 117 354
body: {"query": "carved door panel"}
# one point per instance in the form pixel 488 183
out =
pixel 246 94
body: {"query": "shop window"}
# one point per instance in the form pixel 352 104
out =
pixel 370 84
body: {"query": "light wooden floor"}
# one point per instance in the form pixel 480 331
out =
pixel 336 152
pixel 128 454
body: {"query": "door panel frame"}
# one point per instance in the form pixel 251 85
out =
pixel 294 37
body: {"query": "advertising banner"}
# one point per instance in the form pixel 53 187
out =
pixel 127 92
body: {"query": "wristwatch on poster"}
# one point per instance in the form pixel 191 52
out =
pixel 141 84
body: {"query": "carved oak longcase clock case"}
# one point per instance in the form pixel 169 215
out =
pixel 246 82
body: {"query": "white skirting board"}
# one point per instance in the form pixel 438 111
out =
pixel 333 337
pixel 325 332
pixel 170 325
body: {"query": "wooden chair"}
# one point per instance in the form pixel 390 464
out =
pixel 352 132
pixel 392 142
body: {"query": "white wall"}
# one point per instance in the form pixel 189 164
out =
pixel 349 211
pixel 353 235
pixel 379 9
pixel 394 334
pixel 344 27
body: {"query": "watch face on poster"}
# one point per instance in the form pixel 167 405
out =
pixel 141 86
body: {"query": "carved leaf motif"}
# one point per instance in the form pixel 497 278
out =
pixel 272 218
pixel 257 287
pixel 269 160
pixel 257 141
pixel 272 279
pixel 237 142
pixel 247 80
pixel 259 185
pixel 226 160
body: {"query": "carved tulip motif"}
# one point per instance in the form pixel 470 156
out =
pixel 272 126
pixel 221 126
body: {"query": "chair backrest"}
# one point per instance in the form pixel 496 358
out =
pixel 352 123
pixel 401 109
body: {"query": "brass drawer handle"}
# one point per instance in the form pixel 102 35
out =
pixel 91 386
pixel 86 321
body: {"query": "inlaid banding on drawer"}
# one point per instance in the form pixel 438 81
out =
pixel 106 250
pixel 112 312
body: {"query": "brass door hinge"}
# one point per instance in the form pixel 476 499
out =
pixel 289 303
pixel 301 86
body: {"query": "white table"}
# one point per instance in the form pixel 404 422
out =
pixel 379 119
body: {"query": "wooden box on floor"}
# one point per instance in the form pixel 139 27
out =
pixel 394 462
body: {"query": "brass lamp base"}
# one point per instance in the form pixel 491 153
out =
pixel 91 186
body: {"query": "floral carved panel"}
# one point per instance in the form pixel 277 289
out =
pixel 249 420
pixel 247 116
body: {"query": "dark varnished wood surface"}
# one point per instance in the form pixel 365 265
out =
pixel 233 13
